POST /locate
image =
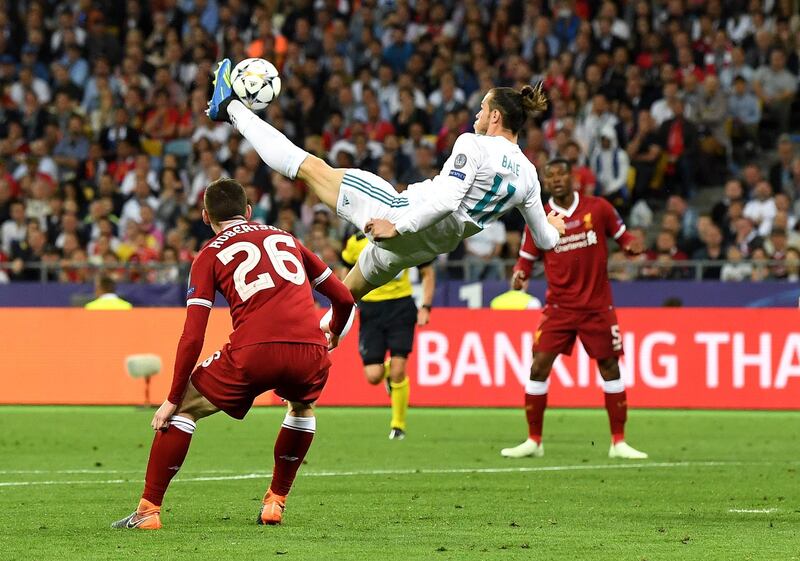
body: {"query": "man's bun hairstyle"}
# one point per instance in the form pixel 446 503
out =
pixel 514 106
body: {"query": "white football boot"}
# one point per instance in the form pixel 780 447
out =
pixel 625 451
pixel 527 448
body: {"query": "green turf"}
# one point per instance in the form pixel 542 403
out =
pixel 675 506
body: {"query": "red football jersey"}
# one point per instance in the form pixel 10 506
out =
pixel 266 278
pixel 577 268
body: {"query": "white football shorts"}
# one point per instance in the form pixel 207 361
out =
pixel 364 196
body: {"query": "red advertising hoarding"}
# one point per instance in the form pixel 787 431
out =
pixel 692 358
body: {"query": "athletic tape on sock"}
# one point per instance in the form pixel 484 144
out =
pixel 305 424
pixel 613 386
pixel 183 424
pixel 533 387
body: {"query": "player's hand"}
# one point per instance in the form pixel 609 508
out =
pixel 519 281
pixel 423 316
pixel 557 220
pixel 380 229
pixel 636 247
pixel 163 415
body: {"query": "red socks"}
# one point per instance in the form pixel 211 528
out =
pixel 535 404
pixel 166 457
pixel 291 446
pixel 617 408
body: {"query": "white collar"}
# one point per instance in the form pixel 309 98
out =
pixel 565 211
pixel 231 224
pixel 107 296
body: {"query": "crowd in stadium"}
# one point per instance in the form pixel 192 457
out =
pixel 105 148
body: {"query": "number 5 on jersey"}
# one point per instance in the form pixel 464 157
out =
pixel 278 257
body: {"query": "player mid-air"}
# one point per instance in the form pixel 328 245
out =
pixel 578 304
pixel 485 176
pixel 266 276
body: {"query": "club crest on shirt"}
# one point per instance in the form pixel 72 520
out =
pixel 460 161
pixel 587 221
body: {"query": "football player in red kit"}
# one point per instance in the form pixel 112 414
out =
pixel 266 276
pixel 578 304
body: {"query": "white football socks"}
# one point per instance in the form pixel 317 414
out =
pixel 275 149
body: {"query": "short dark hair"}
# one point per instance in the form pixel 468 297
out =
pixel 106 284
pixel 225 199
pixel 560 162
pixel 515 105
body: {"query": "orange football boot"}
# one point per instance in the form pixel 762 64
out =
pixel 146 517
pixel 272 509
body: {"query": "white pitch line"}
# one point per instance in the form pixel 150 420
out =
pixel 443 471
pixel 752 510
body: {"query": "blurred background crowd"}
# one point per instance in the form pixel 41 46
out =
pixel 683 113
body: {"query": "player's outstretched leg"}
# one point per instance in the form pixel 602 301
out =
pixel 616 402
pixel 291 446
pixel 166 457
pixel 277 151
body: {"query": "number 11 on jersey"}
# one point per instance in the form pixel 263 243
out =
pixel 489 197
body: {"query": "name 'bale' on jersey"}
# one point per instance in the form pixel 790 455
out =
pixel 266 276
pixel 577 268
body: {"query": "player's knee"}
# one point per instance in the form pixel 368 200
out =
pixel 374 373
pixel 540 369
pixel 300 409
pixel 609 368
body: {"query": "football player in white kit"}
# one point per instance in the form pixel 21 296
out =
pixel 485 176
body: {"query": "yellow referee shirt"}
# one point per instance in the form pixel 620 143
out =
pixel 398 287
pixel 108 301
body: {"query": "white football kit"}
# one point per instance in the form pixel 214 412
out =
pixel 484 177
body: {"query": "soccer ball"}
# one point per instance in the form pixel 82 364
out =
pixel 255 82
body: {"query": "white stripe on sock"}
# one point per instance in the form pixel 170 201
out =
pixel 183 424
pixel 532 387
pixel 613 386
pixel 305 424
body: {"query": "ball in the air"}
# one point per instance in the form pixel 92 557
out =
pixel 255 82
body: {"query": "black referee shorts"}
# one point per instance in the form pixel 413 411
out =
pixel 386 326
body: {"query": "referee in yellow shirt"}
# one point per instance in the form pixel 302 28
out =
pixel 106 297
pixel 388 317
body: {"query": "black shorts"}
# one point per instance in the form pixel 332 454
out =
pixel 386 326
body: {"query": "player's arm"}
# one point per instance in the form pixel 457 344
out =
pixel 545 230
pixel 325 282
pixel 444 195
pixel 199 299
pixel 615 228
pixel 528 252
pixel 428 274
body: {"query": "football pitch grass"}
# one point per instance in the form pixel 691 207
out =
pixel 718 485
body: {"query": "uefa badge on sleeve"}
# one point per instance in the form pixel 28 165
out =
pixel 460 161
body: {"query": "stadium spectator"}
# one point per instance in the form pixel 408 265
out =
pixel 780 173
pixel 137 76
pixel 610 166
pixel 745 110
pixel 775 87
pixel 734 269
pixel 713 250
pixel 761 209
pixel 482 253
